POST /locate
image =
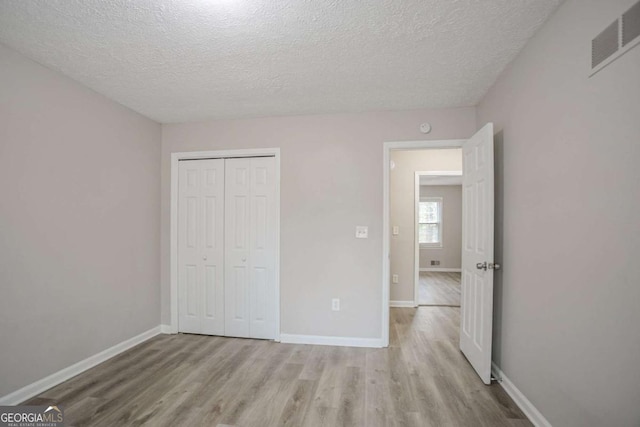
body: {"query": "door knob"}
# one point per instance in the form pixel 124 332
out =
pixel 490 266
pixel 244 259
pixel 204 258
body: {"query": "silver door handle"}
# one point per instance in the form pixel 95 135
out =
pixel 204 257
pixel 244 259
pixel 491 266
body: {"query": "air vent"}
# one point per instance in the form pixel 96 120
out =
pixel 631 24
pixel 616 40
pixel 605 45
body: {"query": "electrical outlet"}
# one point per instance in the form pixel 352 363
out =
pixel 394 278
pixel 362 232
pixel 335 304
pixel 434 262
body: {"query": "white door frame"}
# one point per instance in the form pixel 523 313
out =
pixel 387 147
pixel 416 264
pixel 173 266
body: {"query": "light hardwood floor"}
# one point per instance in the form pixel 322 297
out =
pixel 439 288
pixel 421 379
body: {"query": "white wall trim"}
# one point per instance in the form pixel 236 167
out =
pixel 520 399
pixel 173 263
pixel 386 157
pixel 435 174
pixel 410 304
pixel 326 340
pixel 56 378
pixel 442 270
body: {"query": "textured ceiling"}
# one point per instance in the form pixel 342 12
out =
pixel 186 60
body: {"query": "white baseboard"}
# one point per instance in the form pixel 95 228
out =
pixel 325 340
pixel 411 304
pixel 56 378
pixel 443 270
pixel 165 329
pixel 520 399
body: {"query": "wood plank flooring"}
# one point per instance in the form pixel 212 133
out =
pixel 421 379
pixel 439 288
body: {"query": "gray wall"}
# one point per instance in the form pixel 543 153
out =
pixel 568 149
pixel 450 253
pixel 79 222
pixel 402 210
pixel 331 182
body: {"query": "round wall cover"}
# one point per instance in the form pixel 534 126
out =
pixel 425 128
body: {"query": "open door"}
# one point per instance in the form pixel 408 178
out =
pixel 476 304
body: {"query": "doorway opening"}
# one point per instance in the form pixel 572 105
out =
pixel 418 223
pixel 438 238
pixel 388 167
pixel 474 317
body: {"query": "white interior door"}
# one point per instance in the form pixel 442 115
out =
pixel 250 239
pixel 476 303
pixel 200 246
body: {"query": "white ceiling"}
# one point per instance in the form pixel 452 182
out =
pixel 186 60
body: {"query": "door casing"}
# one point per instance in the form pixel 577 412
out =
pixel 173 238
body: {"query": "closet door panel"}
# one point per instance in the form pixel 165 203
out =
pixel 188 247
pixel 262 248
pixel 212 202
pixel 200 249
pixel 237 233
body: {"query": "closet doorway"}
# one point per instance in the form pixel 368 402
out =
pixel 225 243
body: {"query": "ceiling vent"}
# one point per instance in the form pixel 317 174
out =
pixel 616 40
pixel 631 24
pixel 605 45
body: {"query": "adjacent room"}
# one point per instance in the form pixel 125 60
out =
pixel 319 213
pixel 440 240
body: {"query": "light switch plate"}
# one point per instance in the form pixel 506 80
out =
pixel 396 230
pixel 362 231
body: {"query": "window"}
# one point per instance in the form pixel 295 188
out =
pixel 430 222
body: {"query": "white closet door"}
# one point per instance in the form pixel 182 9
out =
pixel 250 247
pixel 262 245
pixel 200 246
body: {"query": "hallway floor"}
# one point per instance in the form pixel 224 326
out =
pixel 438 288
